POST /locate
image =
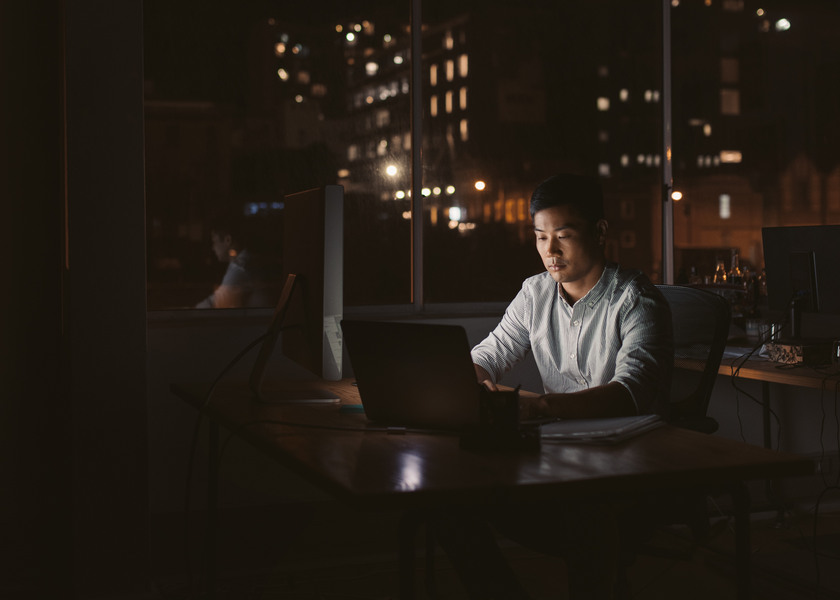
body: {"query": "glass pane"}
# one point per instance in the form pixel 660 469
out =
pixel 755 131
pixel 247 102
pixel 515 96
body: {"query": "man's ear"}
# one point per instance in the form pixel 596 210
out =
pixel 601 231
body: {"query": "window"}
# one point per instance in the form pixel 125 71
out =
pixel 730 102
pixel 230 130
pixel 463 65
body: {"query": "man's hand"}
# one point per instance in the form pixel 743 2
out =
pixel 483 377
pixel 532 407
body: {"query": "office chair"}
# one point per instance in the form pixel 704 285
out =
pixel 701 326
pixel 701 322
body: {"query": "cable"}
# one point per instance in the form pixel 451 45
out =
pixel 735 373
pixel 193 444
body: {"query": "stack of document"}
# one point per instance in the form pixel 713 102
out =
pixel 599 431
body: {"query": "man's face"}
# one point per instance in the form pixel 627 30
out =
pixel 571 248
pixel 221 246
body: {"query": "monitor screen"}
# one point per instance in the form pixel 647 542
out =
pixel 313 250
pixel 801 262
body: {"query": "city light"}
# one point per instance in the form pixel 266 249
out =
pixel 450 189
pixel 676 196
pixel 724 206
pixel 782 25
pixel 391 170
pixel 730 156
pixel 480 185
pixel 283 74
pixel 455 213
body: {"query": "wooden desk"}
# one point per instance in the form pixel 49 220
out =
pixel 759 369
pixel 768 372
pixel 376 469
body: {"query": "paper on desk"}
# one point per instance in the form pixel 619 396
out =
pixel 600 431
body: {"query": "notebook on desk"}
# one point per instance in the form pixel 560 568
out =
pixel 413 374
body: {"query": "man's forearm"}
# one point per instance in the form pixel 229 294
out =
pixel 610 400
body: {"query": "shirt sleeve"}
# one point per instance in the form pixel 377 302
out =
pixel 509 342
pixel 645 358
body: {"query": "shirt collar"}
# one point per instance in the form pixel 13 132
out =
pixel 592 297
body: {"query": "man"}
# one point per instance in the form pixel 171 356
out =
pixel 237 286
pixel 601 336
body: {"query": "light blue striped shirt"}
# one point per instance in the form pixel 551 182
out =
pixel 619 331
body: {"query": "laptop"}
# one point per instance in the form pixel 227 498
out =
pixel 416 375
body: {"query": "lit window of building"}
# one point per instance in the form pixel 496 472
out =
pixel 463 65
pixel 463 99
pixel 604 169
pixel 730 102
pixel 279 49
pixel 450 70
pixel 433 75
pixel 724 206
pixel 382 148
pixel 448 101
pixel 433 106
pixel 730 156
pixel 707 129
pixel 303 77
pixel 603 103
pixel 648 95
pixel 625 160
pixel 465 133
pixel 371 68
pixel 624 94
pixel 352 152
pixel 448 41
pixel 383 118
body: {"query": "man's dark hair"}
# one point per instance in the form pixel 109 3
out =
pixel 579 192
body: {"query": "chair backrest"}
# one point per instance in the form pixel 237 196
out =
pixel 701 326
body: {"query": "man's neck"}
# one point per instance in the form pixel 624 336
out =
pixel 575 290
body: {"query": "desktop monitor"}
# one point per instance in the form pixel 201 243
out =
pixel 801 266
pixel 313 250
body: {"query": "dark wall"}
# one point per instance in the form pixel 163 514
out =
pixel 35 467
pixel 74 505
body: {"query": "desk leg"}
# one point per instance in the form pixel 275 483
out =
pixel 741 504
pixel 212 512
pixel 409 523
pixel 765 413
pixel 771 486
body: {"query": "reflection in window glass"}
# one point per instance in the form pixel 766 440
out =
pixel 243 107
